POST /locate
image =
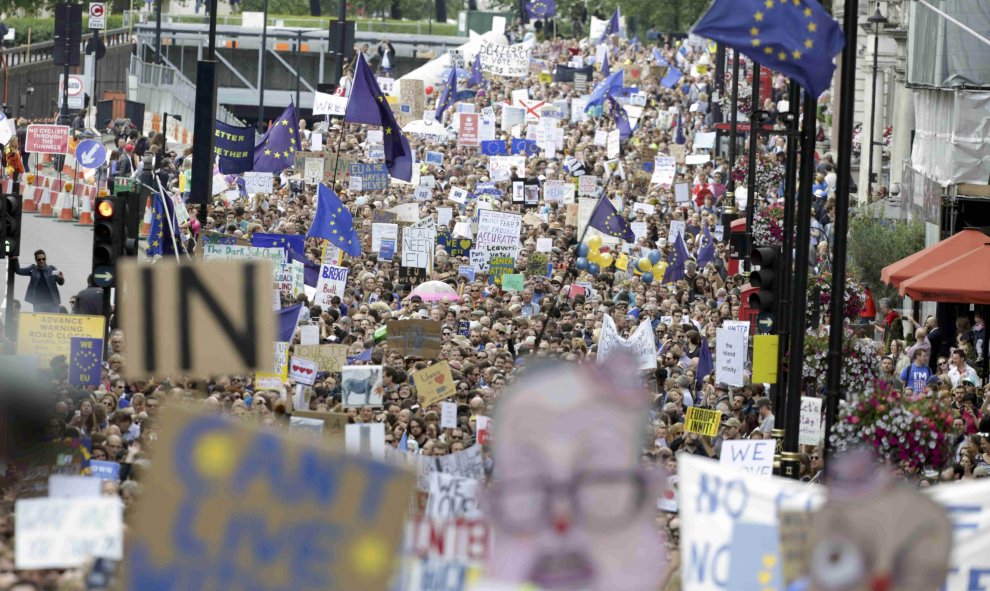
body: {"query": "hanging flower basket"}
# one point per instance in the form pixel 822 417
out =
pixel 859 364
pixel 769 174
pixel 768 226
pixel 855 297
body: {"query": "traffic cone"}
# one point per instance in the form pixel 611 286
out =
pixel 146 222
pixel 45 209
pixel 63 207
pixel 31 195
pixel 85 211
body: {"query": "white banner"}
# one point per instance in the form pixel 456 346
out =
pixel 65 533
pixel 754 456
pixel 664 169
pixel 498 235
pixel 379 231
pixel 329 104
pixel 730 357
pixel 505 60
pixel 332 282
pixel 640 344
pixel 812 429
pixel 258 182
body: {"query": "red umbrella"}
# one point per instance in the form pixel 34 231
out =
pixel 964 279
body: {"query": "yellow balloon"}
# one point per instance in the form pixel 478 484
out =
pixel 594 256
pixel 606 260
pixel 622 262
pixel 594 243
pixel 644 264
pixel 659 269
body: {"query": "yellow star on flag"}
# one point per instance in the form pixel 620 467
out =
pixel 769 3
pixel 268 152
pixel 754 31
pixel 756 42
pixel 796 54
pixel 782 56
pixel 758 16
pixel 812 27
pixel 808 43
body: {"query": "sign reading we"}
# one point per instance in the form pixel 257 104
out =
pixel 203 318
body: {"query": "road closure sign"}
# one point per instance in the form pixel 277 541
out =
pixel 47 139
pixel 46 336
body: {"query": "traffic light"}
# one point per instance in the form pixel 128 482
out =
pixel 10 225
pixel 108 239
pixel 766 278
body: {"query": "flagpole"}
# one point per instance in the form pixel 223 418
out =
pixel 336 157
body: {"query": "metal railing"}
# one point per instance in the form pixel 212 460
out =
pixel 164 89
pixel 361 26
pixel 36 53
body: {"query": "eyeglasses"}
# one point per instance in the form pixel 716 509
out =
pixel 40 259
pixel 602 500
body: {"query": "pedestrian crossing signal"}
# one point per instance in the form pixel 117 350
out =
pixel 10 225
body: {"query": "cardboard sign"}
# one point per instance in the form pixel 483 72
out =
pixel 46 336
pixel 511 61
pixel 361 385
pixel 331 424
pixel 812 429
pixel 731 350
pixel 47 139
pixel 65 533
pixel 258 182
pixel 219 485
pixel 434 383
pixel 330 358
pixel 754 456
pixel 452 497
pixel 201 318
pixel 303 371
pixel 703 421
pixel 331 283
pixel 513 281
pixel 448 415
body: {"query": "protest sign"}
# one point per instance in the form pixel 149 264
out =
pixel 303 371
pixel 313 171
pixel 258 182
pixel 331 424
pixel 331 283
pixel 811 430
pixel 497 236
pixel 511 117
pixel 104 470
pixel 236 252
pixel 361 385
pixel 374 176
pixel 211 318
pixel 544 245
pixel 417 247
pixel 731 350
pixel 270 496
pixel 511 61
pixel 434 158
pixel 330 358
pixel 433 383
pixel 380 232
pixel 329 104
pixel 498 267
pixel 754 456
pixel 309 334
pixel 365 440
pixel 412 93
pixel 640 344
pixel 422 193
pixel 664 170
pixel 702 421
pixel 501 168
pixel 613 144
pixel 452 497
pixel 513 281
pixel 66 532
pixel 682 192
pixel 420 338
pixel 46 336
pixel 537 264
pixel 588 185
pixel 675 228
pixel 85 355
pixel 387 250
pixel 466 271
pixel 448 415
pixel 71 486
pixel 740 326
pixel 467 129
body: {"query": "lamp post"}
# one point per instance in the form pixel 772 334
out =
pixel 261 72
pixel 877 19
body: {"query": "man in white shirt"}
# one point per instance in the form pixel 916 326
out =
pixel 960 369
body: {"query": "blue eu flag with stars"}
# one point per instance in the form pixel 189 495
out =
pixel 286 242
pixel 85 355
pixel 277 149
pixel 447 97
pixel 524 146
pixel 607 220
pixel 676 266
pixel 333 222
pixel 797 38
pixel 367 105
pixel 541 8
pixel 493 147
pixel 163 224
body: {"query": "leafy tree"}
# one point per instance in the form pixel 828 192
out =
pixel 875 242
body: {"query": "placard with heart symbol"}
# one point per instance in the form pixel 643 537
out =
pixel 303 371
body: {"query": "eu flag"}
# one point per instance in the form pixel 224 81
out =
pixel 234 148
pixel 797 38
pixel 658 57
pixel 311 270
pixel 705 363
pixel 367 105
pixel 612 28
pixel 621 119
pixel 680 139
pixel 678 259
pixel 610 84
pixel 277 149
pixel 286 242
pixel 476 76
pixel 606 70
pixel 493 148
pixel 671 77
pixel 333 222
pixel 607 220
pixel 287 319
pixel 164 226
pixel 524 146
pixel 541 8
pixel 706 253
pixel 446 99
pixel 85 355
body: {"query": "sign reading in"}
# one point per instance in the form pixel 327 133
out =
pixel 203 318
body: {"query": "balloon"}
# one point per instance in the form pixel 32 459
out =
pixel 622 261
pixel 581 263
pixel 594 256
pixel 429 90
pixel 659 268
pixel 654 256
pixel 582 250
pixel 594 269
pixel 595 242
pixel 606 260
pixel 647 278
pixel 644 264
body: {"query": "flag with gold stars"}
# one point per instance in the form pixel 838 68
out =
pixel 333 222
pixel 164 225
pixel 606 219
pixel 367 104
pixel 287 242
pixel 85 355
pixel 797 38
pixel 277 149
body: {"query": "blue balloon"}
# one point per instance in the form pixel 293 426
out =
pixel 594 269
pixel 654 256
pixel 581 263
pixel 582 250
pixel 647 278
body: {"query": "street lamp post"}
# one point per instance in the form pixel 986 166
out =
pixel 877 19
pixel 261 72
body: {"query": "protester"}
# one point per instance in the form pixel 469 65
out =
pixel 42 291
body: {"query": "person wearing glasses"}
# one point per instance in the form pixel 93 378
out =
pixel 42 291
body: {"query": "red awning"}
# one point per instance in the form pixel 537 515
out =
pixel 964 279
pixel 936 254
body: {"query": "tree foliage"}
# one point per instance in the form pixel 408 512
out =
pixel 875 242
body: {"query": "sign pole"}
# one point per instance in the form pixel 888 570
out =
pixel 9 315
pixel 204 125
